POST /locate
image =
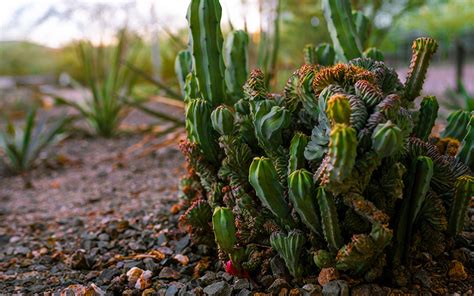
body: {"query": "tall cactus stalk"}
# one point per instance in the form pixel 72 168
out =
pixel 423 49
pixel 204 18
pixel 342 29
pixel 426 119
pixel 236 60
pixel 462 197
pixel 329 220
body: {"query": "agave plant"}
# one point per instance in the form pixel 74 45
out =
pixel 109 84
pixel 22 145
pixel 341 165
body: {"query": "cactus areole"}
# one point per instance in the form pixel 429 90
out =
pixel 339 171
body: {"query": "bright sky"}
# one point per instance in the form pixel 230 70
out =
pixel 18 17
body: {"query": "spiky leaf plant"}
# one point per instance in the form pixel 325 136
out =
pixel 109 84
pixel 22 145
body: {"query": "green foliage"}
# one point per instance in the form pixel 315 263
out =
pixel 183 66
pixel 110 84
pixel 22 145
pixel 290 248
pixel 456 127
pixel 224 228
pixel 325 54
pixel 466 151
pixel 329 173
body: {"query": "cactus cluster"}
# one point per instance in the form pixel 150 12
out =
pixel 339 168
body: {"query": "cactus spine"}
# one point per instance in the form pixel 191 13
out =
pixel 426 117
pixel 310 54
pixel 236 60
pixel 204 17
pixel 423 50
pixel 342 29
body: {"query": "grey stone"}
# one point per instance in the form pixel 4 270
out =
pixel 278 266
pixel 172 290
pixel 104 237
pixel 240 284
pixel 151 265
pixel 182 243
pixel 312 289
pixel 336 288
pixel 221 288
pixel 277 285
pixel 244 292
pixel 20 250
pixel 423 278
pixel 169 273
pixel 207 278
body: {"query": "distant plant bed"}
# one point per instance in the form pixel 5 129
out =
pixel 338 177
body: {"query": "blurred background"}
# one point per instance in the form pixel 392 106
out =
pixel 38 39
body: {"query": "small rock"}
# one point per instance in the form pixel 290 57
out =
pixel 278 266
pixel 278 285
pixel 456 271
pixel 207 278
pixel 422 277
pixel 267 280
pixel 240 284
pixel 133 275
pixel 327 274
pixel 169 273
pixel 172 290
pixel 226 276
pixel 296 292
pixel 144 281
pixel 78 260
pixel 367 290
pixel 336 288
pixel 149 292
pixel 107 275
pixel 312 289
pixel 20 250
pixel 182 243
pixel 104 237
pixel 244 292
pixel 184 260
pixel 221 288
pixel 150 264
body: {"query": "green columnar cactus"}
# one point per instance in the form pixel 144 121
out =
pixel 342 29
pixel 264 179
pixel 222 119
pixel 342 151
pixel 374 54
pixel 387 139
pixel 303 196
pixel 423 50
pixel 362 24
pixel 290 248
pixel 310 54
pixel 426 118
pixel 297 147
pixel 236 60
pixel 223 226
pixel 462 197
pixel 421 172
pixel 329 220
pixel 456 127
pixel 199 128
pixel 382 191
pixel 183 66
pixel 325 54
pixel 204 17
pixel 466 151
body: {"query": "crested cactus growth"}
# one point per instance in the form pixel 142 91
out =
pixel 338 166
